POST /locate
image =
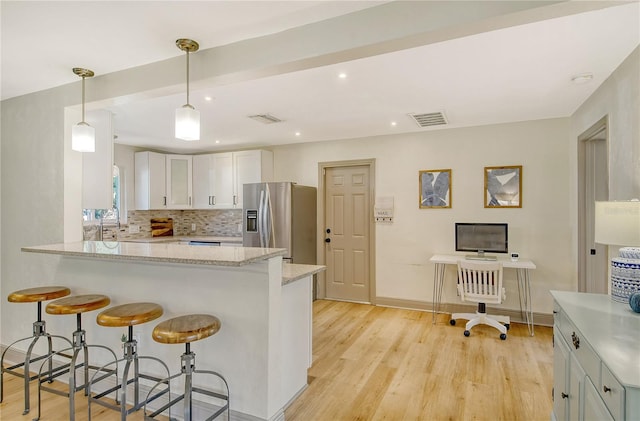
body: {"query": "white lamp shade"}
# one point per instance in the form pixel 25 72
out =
pixel 83 138
pixel 618 223
pixel 187 123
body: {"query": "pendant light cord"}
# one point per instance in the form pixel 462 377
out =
pixel 83 99
pixel 188 77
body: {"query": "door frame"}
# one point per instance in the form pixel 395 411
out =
pixel 596 128
pixel 322 166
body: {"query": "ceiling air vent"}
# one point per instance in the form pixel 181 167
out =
pixel 265 118
pixel 429 119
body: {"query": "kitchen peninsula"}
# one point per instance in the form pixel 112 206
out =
pixel 264 346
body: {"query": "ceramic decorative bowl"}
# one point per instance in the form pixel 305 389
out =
pixel 625 278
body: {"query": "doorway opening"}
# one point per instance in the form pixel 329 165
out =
pixel 593 185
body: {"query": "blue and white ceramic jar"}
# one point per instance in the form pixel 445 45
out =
pixel 625 274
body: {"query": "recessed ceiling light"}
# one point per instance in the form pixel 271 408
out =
pixel 297 133
pixel 342 75
pixel 582 78
pixel 208 98
pixel 393 123
pixel 217 141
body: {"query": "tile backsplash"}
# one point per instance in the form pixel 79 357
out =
pixel 217 222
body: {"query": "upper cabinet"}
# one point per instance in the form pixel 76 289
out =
pixel 97 167
pixel 179 181
pixel 213 181
pixel 218 178
pixel 150 181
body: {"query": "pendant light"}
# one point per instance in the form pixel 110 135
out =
pixel 187 117
pixel 83 136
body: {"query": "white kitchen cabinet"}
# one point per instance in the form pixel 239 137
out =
pixel 150 181
pixel 218 179
pixel 250 167
pixel 179 181
pixel 213 181
pixel 596 368
pixel 97 167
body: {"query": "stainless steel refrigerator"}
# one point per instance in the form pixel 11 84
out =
pixel 281 215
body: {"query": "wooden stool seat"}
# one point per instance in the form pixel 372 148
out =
pixel 78 304
pixel 32 295
pixel 129 314
pixel 186 329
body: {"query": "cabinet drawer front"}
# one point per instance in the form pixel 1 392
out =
pixel 612 393
pixel 583 352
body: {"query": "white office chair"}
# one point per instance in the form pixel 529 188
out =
pixel 481 282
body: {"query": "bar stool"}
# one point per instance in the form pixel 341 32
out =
pixel 77 305
pixel 32 295
pixel 184 330
pixel 128 315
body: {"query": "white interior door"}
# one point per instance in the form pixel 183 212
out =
pixel 347 216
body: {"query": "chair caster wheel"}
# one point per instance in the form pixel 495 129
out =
pixel 507 326
pixel 467 333
pixel 503 336
pixel 452 322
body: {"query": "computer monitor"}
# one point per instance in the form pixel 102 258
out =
pixel 482 238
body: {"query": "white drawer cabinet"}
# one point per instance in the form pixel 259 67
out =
pixel 596 364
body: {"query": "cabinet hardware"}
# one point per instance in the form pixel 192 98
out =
pixel 328 230
pixel 327 240
pixel 575 339
pixel 234 200
pixel 189 200
pixel 165 200
pixel 213 200
pixel 564 395
pixel 606 389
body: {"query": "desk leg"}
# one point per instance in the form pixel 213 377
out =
pixel 438 283
pixel 524 293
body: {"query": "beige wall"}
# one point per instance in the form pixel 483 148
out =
pixel 540 230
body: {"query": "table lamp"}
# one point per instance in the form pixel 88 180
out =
pixel 618 223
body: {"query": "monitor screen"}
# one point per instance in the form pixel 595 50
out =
pixel 482 237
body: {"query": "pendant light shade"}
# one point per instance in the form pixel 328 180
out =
pixel 187 123
pixel 187 117
pixel 83 136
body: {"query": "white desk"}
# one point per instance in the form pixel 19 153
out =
pixel 521 266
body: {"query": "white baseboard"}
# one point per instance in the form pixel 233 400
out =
pixel 540 319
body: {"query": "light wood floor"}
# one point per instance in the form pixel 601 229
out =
pixel 377 363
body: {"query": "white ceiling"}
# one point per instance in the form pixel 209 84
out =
pixel 513 74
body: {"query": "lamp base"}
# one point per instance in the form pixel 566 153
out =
pixel 625 274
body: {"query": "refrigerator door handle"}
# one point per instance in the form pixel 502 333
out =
pixel 261 218
pixel 267 218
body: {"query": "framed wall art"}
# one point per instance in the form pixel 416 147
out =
pixel 503 187
pixel 435 189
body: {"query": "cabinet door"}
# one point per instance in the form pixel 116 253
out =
pixel 179 181
pixel 150 181
pixel 247 169
pixel 560 378
pixel 202 181
pixel 576 388
pixel 594 407
pixel 222 180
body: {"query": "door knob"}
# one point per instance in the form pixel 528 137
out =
pixel 327 240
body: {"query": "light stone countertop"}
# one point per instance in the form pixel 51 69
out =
pixel 292 271
pixel 160 252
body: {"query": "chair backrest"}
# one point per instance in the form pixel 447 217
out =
pixel 480 282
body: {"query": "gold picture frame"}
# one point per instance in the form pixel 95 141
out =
pixel 434 189
pixel 503 187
